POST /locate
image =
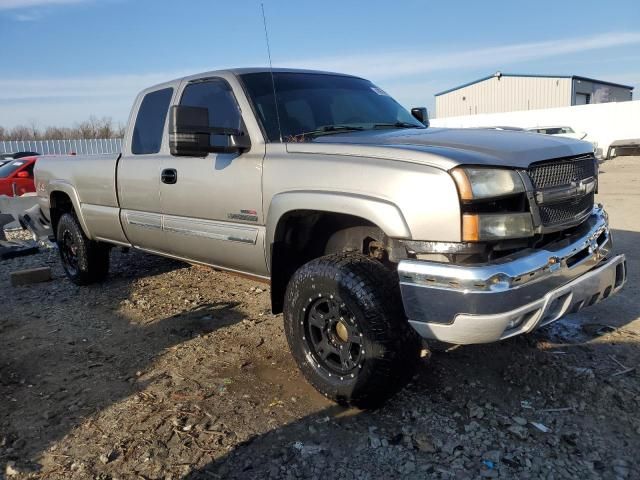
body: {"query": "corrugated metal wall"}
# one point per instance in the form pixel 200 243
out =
pixel 505 94
pixel 89 146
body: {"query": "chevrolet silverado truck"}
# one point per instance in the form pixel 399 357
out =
pixel 373 229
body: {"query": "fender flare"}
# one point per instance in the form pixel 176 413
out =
pixel 385 215
pixel 67 188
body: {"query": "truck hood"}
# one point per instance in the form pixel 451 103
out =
pixel 448 147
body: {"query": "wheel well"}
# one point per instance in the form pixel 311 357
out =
pixel 303 235
pixel 60 203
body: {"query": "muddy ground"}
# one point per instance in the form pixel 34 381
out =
pixel 175 371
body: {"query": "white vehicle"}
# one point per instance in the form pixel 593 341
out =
pixel 567 132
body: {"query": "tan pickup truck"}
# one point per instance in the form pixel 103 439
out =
pixel 373 229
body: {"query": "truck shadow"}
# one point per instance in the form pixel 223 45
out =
pixel 59 367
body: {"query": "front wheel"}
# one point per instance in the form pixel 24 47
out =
pixel 84 261
pixel 346 329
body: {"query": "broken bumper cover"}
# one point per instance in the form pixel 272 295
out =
pixel 481 304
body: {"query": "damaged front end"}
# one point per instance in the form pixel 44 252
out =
pixel 516 294
pixel 534 249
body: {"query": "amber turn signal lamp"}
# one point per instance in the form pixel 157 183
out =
pixel 470 228
pixel 463 184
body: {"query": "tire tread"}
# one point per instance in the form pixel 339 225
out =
pixel 377 289
pixel 93 256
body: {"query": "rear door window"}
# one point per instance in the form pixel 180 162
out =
pixel 149 127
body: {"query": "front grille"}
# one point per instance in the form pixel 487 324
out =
pixel 561 212
pixel 561 172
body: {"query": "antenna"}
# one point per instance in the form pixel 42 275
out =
pixel 273 81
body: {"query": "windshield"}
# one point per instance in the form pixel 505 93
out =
pixel 7 169
pixel 311 104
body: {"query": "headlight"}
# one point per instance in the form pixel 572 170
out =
pixel 495 226
pixel 484 191
pixel 477 183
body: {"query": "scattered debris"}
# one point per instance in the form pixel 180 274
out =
pixel 624 370
pixel 108 457
pixel 541 427
pixel 423 443
pixel 519 431
pixel 475 411
pixel 561 409
pixel 30 276
pixel 11 470
pixel 520 421
pixel 583 372
pixel 489 464
pixel 309 449
pixel 10 250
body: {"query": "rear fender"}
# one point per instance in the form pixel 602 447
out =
pixel 65 187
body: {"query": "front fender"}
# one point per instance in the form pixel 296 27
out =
pixel 385 215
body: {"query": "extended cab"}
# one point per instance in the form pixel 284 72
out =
pixel 373 229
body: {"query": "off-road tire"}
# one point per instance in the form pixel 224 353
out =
pixel 91 263
pixel 370 293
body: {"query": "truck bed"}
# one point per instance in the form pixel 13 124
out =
pixel 90 182
pixel 93 176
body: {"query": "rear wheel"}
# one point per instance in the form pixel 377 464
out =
pixel 84 261
pixel 346 329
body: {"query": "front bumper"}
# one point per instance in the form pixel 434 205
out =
pixel 481 304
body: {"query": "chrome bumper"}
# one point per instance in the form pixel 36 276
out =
pixel 480 304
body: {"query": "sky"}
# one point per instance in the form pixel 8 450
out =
pixel 62 61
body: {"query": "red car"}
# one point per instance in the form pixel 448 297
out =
pixel 16 177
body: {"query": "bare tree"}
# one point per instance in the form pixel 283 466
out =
pixel 93 127
pixel 34 130
pixel 58 133
pixel 20 132
pixel 85 129
pixel 105 128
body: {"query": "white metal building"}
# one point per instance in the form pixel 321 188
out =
pixel 508 92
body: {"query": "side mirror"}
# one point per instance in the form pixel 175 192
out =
pixel 190 133
pixel 421 114
pixel 23 174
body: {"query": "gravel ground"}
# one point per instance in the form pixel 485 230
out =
pixel 176 371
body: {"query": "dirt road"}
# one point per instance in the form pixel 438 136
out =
pixel 175 371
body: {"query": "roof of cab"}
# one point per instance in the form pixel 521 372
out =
pixel 240 71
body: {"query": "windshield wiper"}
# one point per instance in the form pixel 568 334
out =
pixel 397 125
pixel 329 129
